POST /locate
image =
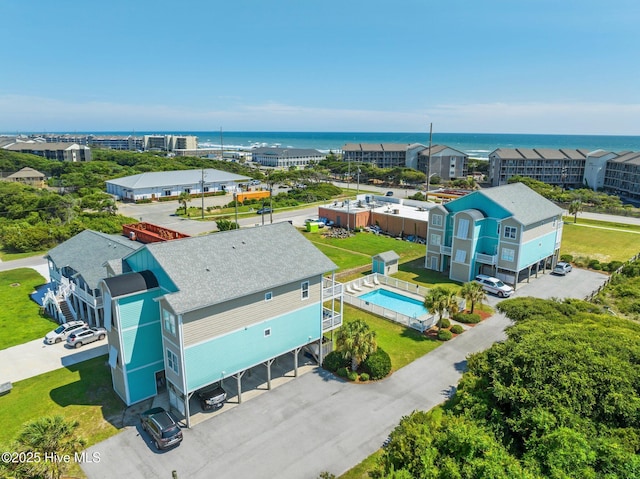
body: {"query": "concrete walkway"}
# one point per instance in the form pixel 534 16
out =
pixel 35 357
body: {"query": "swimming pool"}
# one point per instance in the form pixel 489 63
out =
pixel 395 302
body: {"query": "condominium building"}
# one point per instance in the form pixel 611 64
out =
pixel 286 157
pixel 52 151
pixel 622 175
pixel 563 167
pixel 169 142
pixel 444 161
pixel 130 143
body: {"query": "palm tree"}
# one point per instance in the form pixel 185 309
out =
pixel 575 207
pixel 437 299
pixel 473 292
pixel 183 199
pixel 356 342
pixel 47 436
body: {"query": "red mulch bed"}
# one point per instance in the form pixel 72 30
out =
pixel 433 332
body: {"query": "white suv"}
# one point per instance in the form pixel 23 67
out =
pixel 61 332
pixel 494 285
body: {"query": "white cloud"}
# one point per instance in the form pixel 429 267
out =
pixel 26 113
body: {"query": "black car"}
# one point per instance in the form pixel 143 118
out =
pixel 212 397
pixel 164 431
pixel 264 211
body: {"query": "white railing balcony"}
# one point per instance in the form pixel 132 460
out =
pixel 445 250
pixel 487 258
pixel 330 319
pixel 331 289
pixel 86 297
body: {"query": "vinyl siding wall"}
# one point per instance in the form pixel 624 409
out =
pixel 225 355
pixel 233 315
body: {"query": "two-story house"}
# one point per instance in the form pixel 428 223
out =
pixel 75 268
pixel 195 311
pixel 509 232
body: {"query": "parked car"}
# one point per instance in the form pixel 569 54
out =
pixel 389 193
pixel 311 220
pixel 164 431
pixel 212 396
pixel 86 336
pixel 63 331
pixel 494 285
pixel 562 268
pixel 264 211
pixel 254 182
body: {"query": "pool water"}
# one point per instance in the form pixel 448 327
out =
pixel 395 302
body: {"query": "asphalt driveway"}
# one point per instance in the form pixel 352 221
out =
pixel 317 422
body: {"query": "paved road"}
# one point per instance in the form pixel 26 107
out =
pixel 317 423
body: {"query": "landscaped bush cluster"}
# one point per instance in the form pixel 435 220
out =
pixel 467 318
pixel 457 329
pixel 594 264
pixel 378 364
pixel 445 335
pixel 444 323
pixel 334 361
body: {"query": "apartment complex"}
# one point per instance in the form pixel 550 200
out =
pixel 285 157
pixel 52 151
pixel 442 160
pixel 563 167
pixel 616 173
pixel 169 142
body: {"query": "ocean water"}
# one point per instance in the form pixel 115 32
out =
pixel 476 145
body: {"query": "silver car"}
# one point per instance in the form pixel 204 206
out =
pixel 494 285
pixel 61 332
pixel 86 335
pixel 562 268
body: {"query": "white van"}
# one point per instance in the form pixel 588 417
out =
pixel 494 285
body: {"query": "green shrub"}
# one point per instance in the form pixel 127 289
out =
pixel 364 377
pixel 457 329
pixel 631 270
pixel 377 365
pixel 444 323
pixel 342 372
pixel 614 265
pixel 567 258
pixel 352 376
pixel 444 335
pixel 467 318
pixel 594 264
pixel 334 361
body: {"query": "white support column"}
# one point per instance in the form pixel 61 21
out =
pixel 268 365
pixel 239 384
pixel 295 361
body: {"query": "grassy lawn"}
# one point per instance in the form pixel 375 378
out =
pixel 82 392
pixel 361 471
pixel 600 240
pixel 414 272
pixel 20 319
pixel 11 256
pixel 404 345
pixel 344 258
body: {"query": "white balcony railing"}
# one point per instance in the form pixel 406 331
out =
pixel 330 319
pixel 487 258
pixel 445 250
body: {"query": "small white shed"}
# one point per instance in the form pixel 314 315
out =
pixel 385 263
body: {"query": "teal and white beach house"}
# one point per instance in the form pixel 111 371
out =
pixel 194 311
pixel 509 232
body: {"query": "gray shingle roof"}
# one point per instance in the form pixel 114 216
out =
pixel 88 251
pixel 522 202
pixel 176 178
pixel 222 266
pixel 387 256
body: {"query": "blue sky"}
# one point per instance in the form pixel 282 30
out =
pixel 512 66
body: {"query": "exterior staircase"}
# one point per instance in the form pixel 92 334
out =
pixel 65 310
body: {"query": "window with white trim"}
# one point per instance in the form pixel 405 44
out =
pixel 463 228
pixel 268 296
pixel 461 256
pixel 507 254
pixel 167 192
pixel 510 232
pixel 172 361
pixel 304 289
pixel 435 239
pixel 436 220
pixel 169 321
